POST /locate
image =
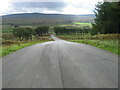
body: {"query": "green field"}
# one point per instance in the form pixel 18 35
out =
pixel 82 23
pixel 78 23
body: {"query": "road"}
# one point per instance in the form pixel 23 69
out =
pixel 60 64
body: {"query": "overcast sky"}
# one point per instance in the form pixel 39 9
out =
pixel 48 6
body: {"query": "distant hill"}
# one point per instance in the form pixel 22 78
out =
pixel 41 18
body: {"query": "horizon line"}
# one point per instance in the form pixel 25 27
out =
pixel 44 13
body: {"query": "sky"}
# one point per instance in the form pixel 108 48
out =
pixel 48 6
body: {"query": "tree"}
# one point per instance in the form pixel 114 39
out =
pixel 107 18
pixel 41 30
pixel 18 32
pixel 71 30
pixel 23 33
pixel 27 33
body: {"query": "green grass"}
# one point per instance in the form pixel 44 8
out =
pixel 109 45
pixel 89 36
pixel 74 36
pixel 82 23
pixel 77 24
pixel 7 30
pixel 66 25
pixel 12 48
pixel 107 42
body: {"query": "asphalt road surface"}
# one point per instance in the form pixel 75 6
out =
pixel 60 64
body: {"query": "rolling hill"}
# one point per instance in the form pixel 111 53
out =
pixel 41 18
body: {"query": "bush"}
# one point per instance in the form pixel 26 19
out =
pixel 8 36
pixel 70 30
pixel 41 30
pixel 23 33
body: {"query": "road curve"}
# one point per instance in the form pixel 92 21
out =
pixel 60 64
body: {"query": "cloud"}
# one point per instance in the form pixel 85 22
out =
pixel 80 6
pixel 5 7
pixel 39 5
pixel 48 6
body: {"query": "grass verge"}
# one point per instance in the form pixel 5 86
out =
pixel 107 42
pixel 7 49
pixel 109 45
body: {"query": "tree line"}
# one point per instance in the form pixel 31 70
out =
pixel 107 18
pixel 65 30
pixel 27 33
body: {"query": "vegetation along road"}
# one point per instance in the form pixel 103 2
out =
pixel 60 64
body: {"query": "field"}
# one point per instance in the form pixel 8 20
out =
pixel 11 43
pixel 82 23
pixel 107 42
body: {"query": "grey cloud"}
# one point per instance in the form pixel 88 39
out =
pixel 58 6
